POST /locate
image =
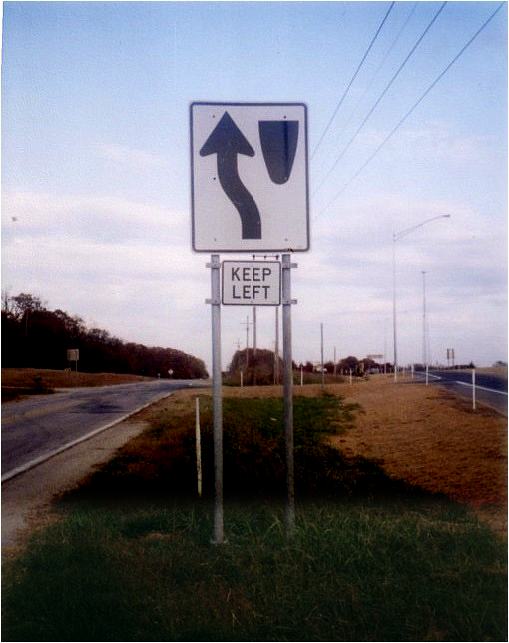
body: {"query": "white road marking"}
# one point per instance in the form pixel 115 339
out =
pixel 482 388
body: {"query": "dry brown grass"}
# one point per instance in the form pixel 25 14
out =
pixel 25 377
pixel 424 435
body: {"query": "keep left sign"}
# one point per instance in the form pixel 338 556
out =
pixel 251 283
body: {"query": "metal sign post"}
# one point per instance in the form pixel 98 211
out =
pixel 217 397
pixel 288 391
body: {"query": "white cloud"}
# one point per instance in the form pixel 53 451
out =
pixel 128 156
pixel 435 140
pixel 98 218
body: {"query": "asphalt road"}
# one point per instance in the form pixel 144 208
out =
pixel 38 426
pixel 490 389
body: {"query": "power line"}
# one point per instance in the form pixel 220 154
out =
pixel 352 79
pixel 414 106
pixel 382 62
pixel 378 100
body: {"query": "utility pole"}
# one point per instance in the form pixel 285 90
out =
pixel 321 353
pixel 247 323
pixel 424 341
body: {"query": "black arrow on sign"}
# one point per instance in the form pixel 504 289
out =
pixel 227 141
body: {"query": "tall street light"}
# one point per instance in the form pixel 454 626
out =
pixel 424 342
pixel 396 236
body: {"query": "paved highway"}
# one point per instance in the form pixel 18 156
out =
pixel 36 427
pixel 490 389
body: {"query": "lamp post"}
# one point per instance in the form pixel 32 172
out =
pixel 424 330
pixel 396 236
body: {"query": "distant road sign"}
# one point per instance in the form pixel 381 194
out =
pixel 249 177
pixel 251 283
pixel 73 354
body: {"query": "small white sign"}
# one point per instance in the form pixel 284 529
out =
pixel 249 177
pixel 251 283
pixel 73 354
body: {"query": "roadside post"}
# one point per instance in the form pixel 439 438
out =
pixel 473 390
pixel 301 376
pixel 427 375
pixel 258 205
pixel 350 376
pixel 198 447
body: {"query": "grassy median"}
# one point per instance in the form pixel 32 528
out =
pixel 372 558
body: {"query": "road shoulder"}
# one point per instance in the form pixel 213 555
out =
pixel 27 498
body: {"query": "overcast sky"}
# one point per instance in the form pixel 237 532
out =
pixel 96 168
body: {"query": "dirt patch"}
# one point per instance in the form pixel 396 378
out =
pixel 433 439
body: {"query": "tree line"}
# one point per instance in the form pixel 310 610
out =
pixel 35 337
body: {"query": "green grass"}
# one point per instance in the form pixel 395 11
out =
pixel 353 571
pixel 371 560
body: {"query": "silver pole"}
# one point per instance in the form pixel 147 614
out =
pixel 288 393
pixel 394 307
pixel 424 342
pixel 254 345
pixel 276 357
pixel 321 353
pixel 473 390
pixel 395 237
pixel 215 265
pixel 254 330
pixel 334 363
pixel 247 343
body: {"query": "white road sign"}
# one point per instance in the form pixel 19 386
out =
pixel 251 283
pixel 73 354
pixel 249 177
